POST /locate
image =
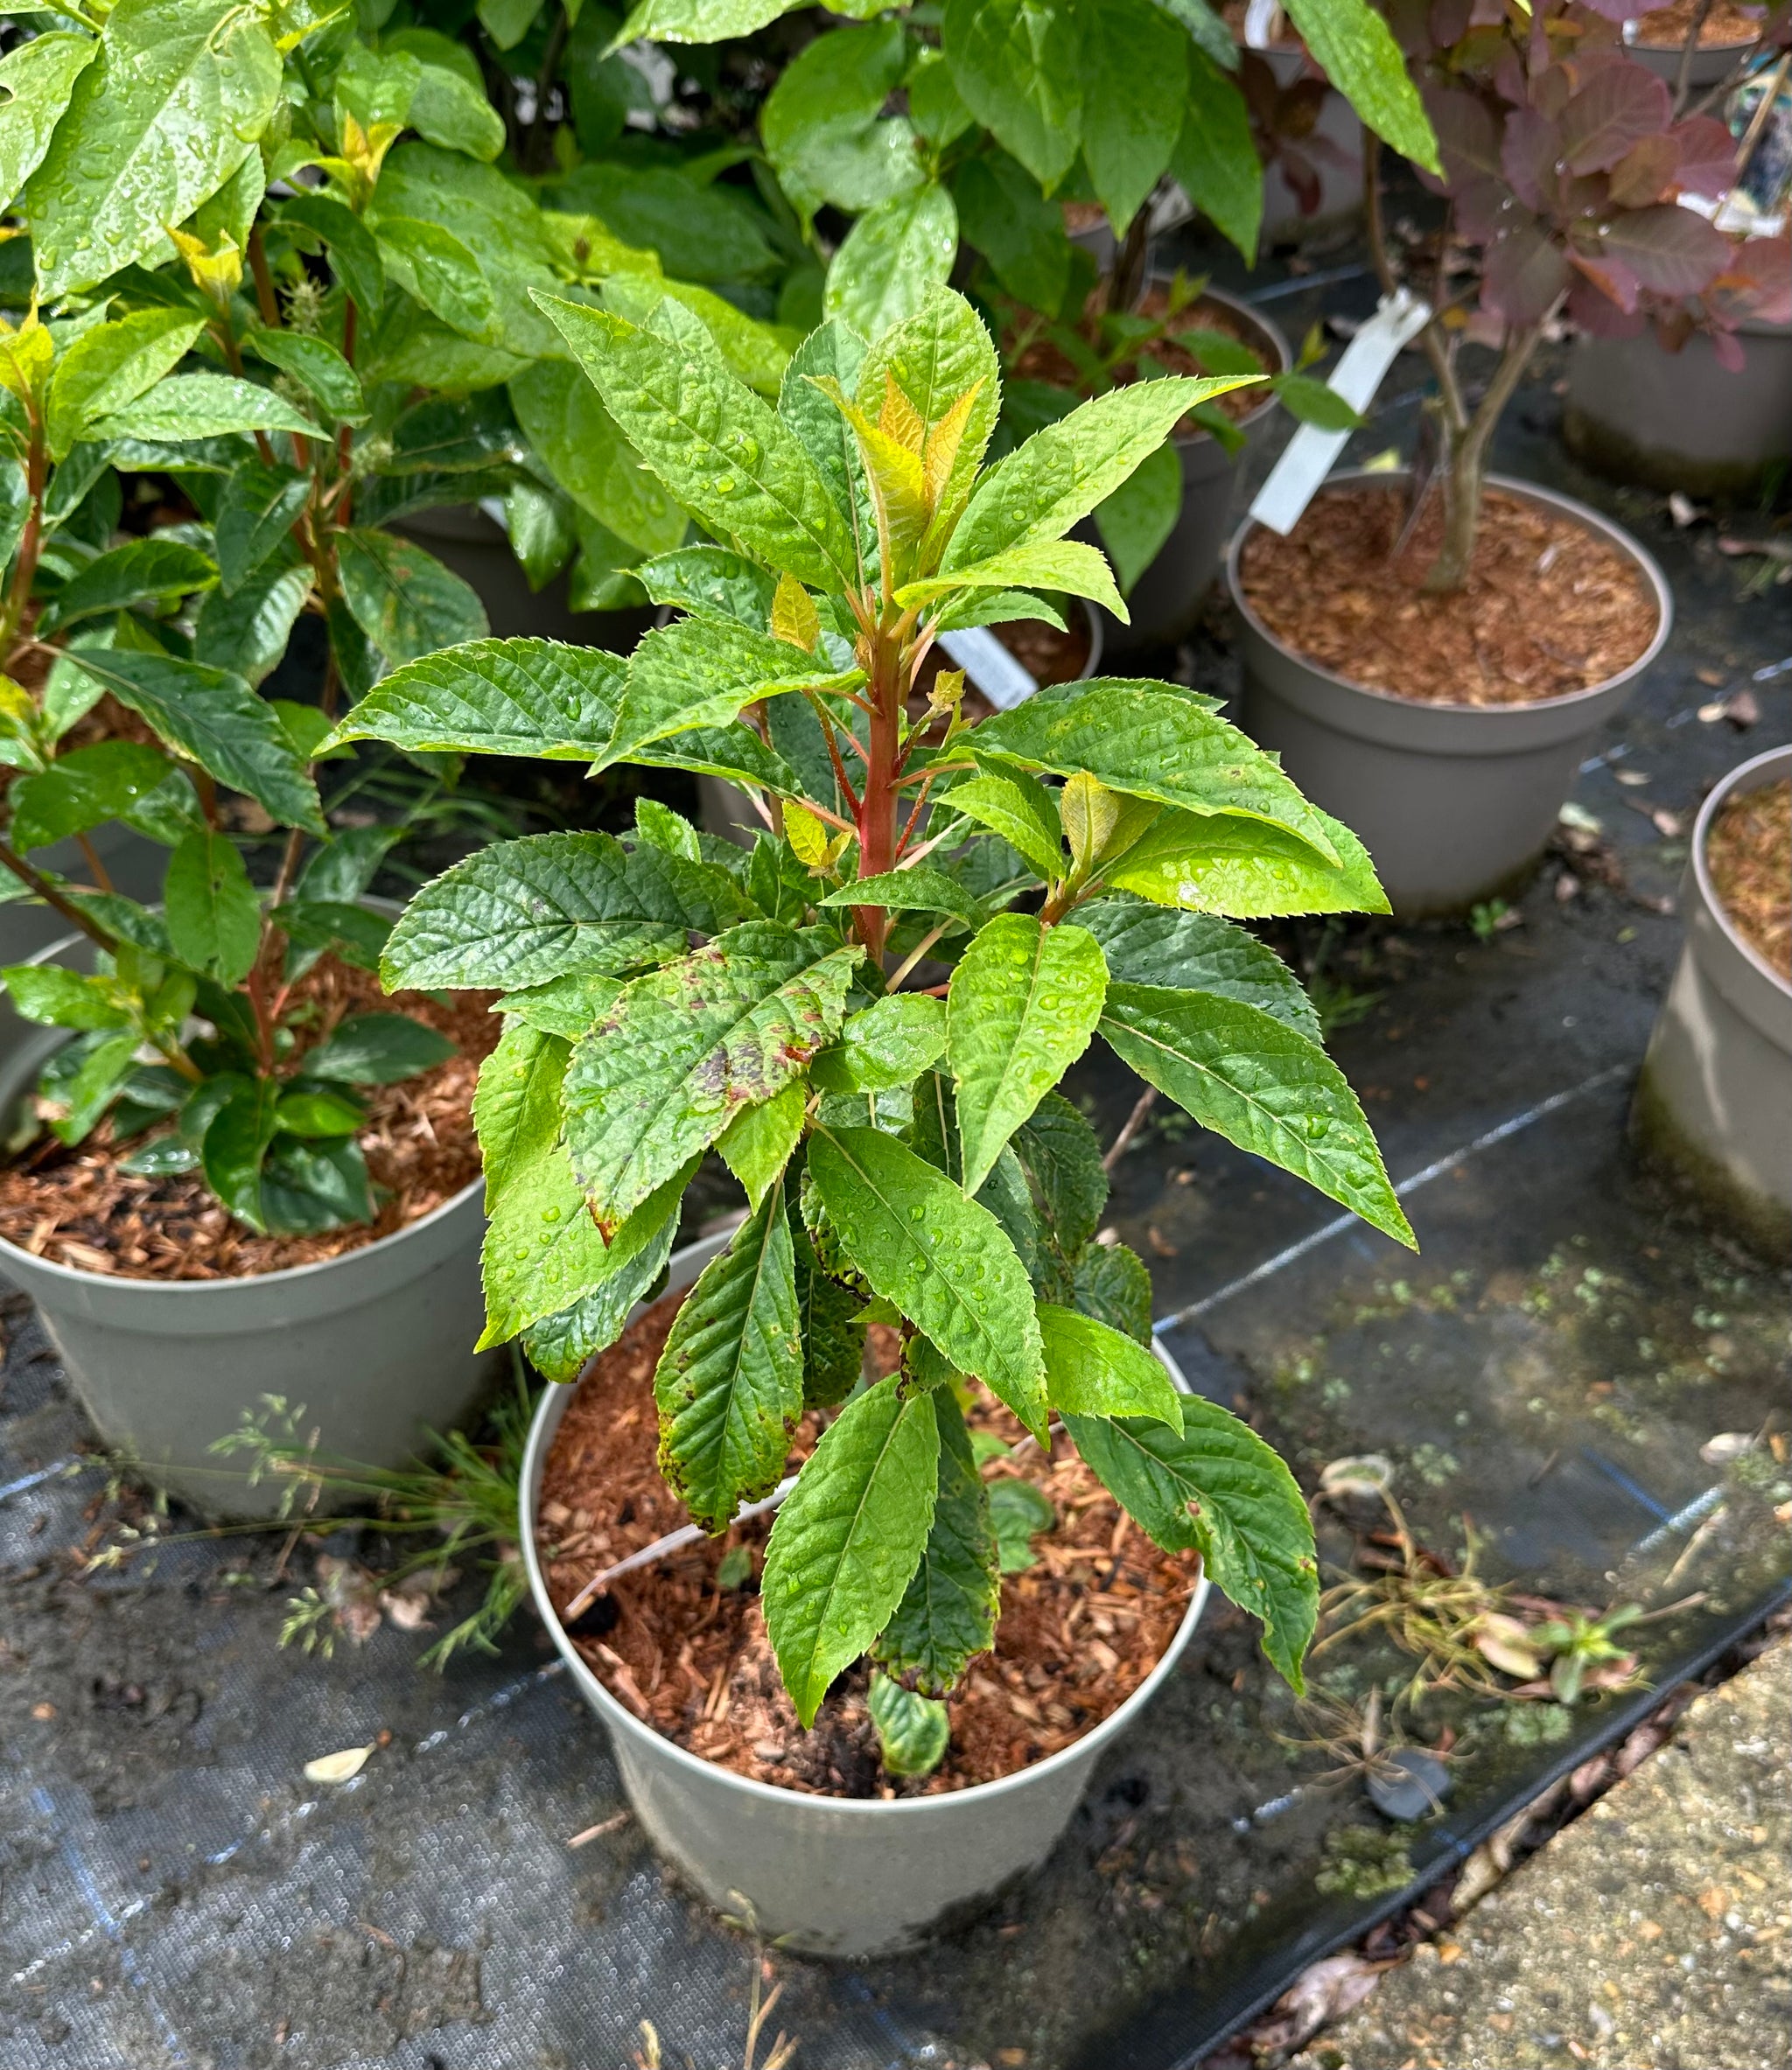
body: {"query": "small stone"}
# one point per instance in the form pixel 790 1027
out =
pixel 1422 1784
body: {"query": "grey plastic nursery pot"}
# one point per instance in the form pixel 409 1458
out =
pixel 376 1343
pixel 466 539
pixel 1711 61
pixel 1682 420
pixel 1714 1101
pixel 1455 802
pixel 1167 600
pixel 831 1875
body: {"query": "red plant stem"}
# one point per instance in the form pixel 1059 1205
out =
pixel 101 879
pixel 877 813
pixel 266 300
pixel 31 539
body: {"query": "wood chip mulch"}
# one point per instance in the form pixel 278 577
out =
pixel 1549 608
pixel 1665 28
pixel 1749 855
pixel 76 1208
pixel 1079 1631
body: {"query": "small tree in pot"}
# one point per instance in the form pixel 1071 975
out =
pixel 1564 166
pixel 899 1139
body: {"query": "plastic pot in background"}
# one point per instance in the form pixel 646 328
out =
pixel 376 1343
pixel 1714 1103
pixel 1332 148
pixel 1711 61
pixel 1681 420
pixel 1455 802
pixel 465 539
pixel 831 1875
pixel 1166 600
pixel 134 863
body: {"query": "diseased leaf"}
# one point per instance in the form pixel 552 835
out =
pixel 947 1616
pixel 1216 1487
pixel 849 1537
pixel 522 911
pixel 1024 999
pixel 684 1049
pixel 1259 1083
pixel 943 1261
pixel 1092 1369
pixel 729 1384
pixel 1145 944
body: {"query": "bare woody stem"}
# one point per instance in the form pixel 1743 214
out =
pixel 54 899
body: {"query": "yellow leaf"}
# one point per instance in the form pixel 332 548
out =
pixel 806 835
pixel 900 419
pixel 1088 811
pixel 794 615
pixel 943 441
pixel 339 1767
pixel 26 356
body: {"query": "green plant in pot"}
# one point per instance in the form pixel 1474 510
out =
pixel 1071 865
pixel 1433 654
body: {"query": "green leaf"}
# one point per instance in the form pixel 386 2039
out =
pixel 82 789
pixel 38 79
pixel 564 420
pixel 569 1006
pixel 1020 67
pixel 216 719
pixel 450 111
pixel 249 630
pixel 59 998
pixel 1019 1512
pixel 559 1347
pixel 702 671
pixel 1215 1487
pixel 1259 1083
pixel 947 1616
pixel 719 449
pixel 729 1384
pixel 1018 808
pixel 831 1318
pixel 1219 864
pixel 849 1537
pixel 184 406
pixel 1063 564
pixel 891 257
pixel 685 1048
pixel 697 21
pixel 310 1187
pixel 378 1049
pixel 757 1145
pixel 1109 1281
pixel 1141 515
pixel 256 515
pixel 1094 1370
pixel 1215 159
pixel 404 599
pixel 353 255
pixel 889 1044
pixel 522 911
pixel 835 354
pixel 534 697
pixel 235 1143
pixel 1058 1153
pixel 111 365
pixel 439 270
pixel 516 1105
pixel 310 1113
pixel 922 889
pixel 711 581
pixel 1065 469
pixel 152 570
pixel 942 359
pixel 318 368
pixel 913 1731
pixel 213 913
pixel 822 128
pixel 1356 50
pixel 941 1259
pixel 179 93
pixel 1195 952
pixel 1004 215
pixel 1313 402
pixel 1147 740
pixel 700 232
pixel 1135 88
pixel 1023 1001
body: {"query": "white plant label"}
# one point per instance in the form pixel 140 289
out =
pixel 990 666
pixel 1312 453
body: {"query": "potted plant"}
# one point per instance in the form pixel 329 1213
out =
pixel 1714 1103
pixel 1432 653
pixel 1066 864
pixel 1703 43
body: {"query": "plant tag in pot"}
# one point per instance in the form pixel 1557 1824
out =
pixel 1312 453
pixel 990 666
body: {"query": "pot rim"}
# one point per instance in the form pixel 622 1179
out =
pixel 549 1410
pixel 1583 514
pixel 1778 761
pixel 196 1289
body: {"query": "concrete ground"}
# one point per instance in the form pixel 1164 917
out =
pixel 1654 1933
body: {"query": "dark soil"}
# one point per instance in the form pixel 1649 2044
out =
pixel 1749 855
pixel 1549 607
pixel 1079 1630
pixel 77 1207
